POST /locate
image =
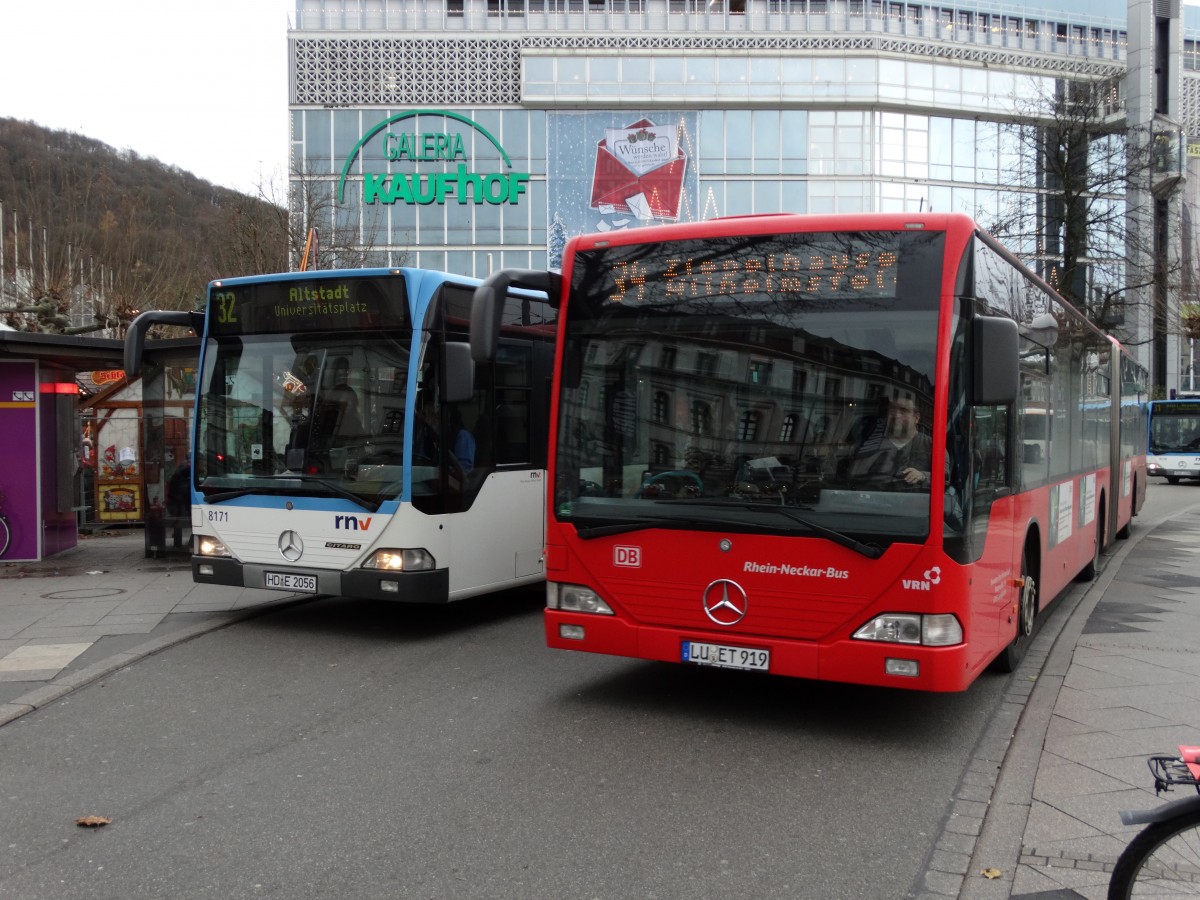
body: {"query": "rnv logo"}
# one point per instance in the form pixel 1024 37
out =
pixel 352 523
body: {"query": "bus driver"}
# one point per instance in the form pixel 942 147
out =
pixel 898 449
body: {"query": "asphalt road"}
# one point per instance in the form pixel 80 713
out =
pixel 351 749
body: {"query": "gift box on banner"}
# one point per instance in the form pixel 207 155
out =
pixel 639 170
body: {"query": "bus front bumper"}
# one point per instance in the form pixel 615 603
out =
pixel 848 661
pixel 431 586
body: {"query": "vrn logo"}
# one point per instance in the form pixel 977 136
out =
pixel 928 579
pixel 352 523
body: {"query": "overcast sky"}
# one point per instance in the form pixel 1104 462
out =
pixel 201 85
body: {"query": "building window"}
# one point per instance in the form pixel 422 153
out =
pixel 748 426
pixel 760 371
pixel 662 407
pixel 667 359
pixel 787 431
pixel 799 382
pixel 701 418
pixel 506 7
pixel 706 364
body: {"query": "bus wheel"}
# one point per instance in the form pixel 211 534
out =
pixel 1092 569
pixel 1027 605
pixel 1123 531
pixel 1172 479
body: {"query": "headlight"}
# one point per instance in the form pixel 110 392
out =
pixel 910 628
pixel 210 546
pixel 414 560
pixel 575 598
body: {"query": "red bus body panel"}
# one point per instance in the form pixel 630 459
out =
pixel 806 596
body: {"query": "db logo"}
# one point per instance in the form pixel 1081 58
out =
pixel 630 557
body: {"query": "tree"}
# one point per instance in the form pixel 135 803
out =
pixel 1072 173
pixel 92 236
pixel 347 232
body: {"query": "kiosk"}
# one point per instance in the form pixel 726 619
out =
pixel 39 440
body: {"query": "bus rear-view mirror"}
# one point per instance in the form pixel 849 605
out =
pixel 996 343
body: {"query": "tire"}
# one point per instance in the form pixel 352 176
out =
pixel 1172 479
pixel 1027 608
pixel 5 536
pixel 1123 532
pixel 1163 860
pixel 1092 569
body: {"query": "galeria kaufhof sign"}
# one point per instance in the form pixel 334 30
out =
pixel 407 143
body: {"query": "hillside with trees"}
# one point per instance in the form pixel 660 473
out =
pixel 90 236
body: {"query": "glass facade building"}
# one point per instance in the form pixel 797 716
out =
pixel 473 135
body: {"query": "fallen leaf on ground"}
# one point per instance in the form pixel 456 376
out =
pixel 92 821
pixel 990 873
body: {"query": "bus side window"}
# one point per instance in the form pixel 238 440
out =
pixel 989 473
pixel 511 419
pixel 991 449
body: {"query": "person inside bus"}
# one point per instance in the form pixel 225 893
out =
pixel 344 400
pixel 896 449
pixel 463 444
pixel 460 441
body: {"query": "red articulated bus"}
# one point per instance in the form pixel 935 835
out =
pixel 862 448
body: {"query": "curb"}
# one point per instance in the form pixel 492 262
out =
pixel 66 684
pixel 985 825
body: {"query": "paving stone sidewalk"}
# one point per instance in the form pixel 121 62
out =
pixel 1121 681
pixel 73 618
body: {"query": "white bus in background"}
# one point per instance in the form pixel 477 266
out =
pixel 1174 439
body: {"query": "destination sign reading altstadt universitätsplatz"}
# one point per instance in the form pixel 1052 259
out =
pixel 282 306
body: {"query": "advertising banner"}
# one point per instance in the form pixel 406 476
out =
pixel 611 171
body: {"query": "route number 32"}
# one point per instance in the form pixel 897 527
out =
pixel 226 304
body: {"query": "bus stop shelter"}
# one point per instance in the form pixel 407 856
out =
pixel 41 439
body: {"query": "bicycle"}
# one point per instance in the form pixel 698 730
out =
pixel 1164 858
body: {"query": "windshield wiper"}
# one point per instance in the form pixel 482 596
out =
pixel 334 487
pixel 221 496
pixel 342 492
pixel 871 551
pixel 591 532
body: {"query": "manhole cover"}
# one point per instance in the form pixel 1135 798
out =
pixel 83 594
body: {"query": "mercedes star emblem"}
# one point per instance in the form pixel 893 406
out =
pixel 291 547
pixel 725 602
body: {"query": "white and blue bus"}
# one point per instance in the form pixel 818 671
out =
pixel 1173 429
pixel 346 444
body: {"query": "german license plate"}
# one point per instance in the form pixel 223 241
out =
pixel 726 657
pixel 286 581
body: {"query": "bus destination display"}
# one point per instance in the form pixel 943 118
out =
pixel 317 305
pixel 823 268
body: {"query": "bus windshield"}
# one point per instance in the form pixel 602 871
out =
pixel 770 383
pixel 315 412
pixel 1175 427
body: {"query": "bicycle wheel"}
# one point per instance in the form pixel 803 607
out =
pixel 1162 861
pixel 5 535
